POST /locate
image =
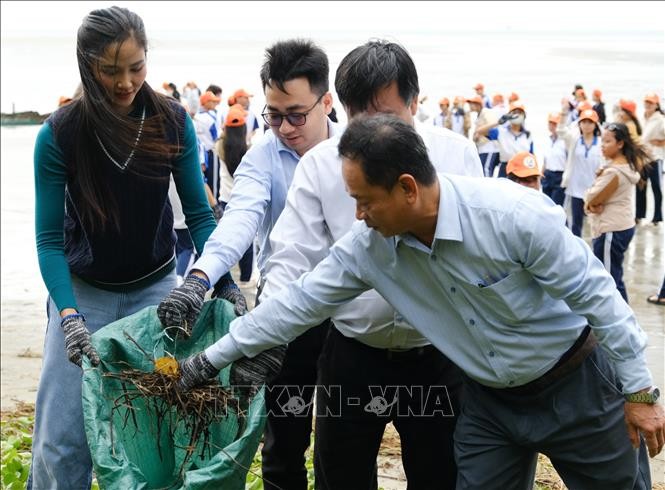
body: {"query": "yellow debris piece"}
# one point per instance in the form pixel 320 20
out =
pixel 167 366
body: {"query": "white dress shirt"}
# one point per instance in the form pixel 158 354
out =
pixel 504 290
pixel 319 212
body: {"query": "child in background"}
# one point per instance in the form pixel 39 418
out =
pixel 611 199
pixel 523 169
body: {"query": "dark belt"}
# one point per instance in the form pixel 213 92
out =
pixel 571 360
pixel 389 354
pixel 401 355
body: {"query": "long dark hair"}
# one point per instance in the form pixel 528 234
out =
pixel 633 118
pixel 636 154
pixel 92 116
pixel 234 146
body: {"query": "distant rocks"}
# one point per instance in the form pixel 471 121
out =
pixel 22 118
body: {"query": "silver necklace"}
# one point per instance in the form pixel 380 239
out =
pixel 131 154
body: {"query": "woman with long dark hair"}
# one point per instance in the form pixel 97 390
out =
pixel 232 147
pixel 611 199
pixel 104 225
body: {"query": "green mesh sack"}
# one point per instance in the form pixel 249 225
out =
pixel 134 448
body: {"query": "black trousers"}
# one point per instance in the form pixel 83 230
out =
pixel 362 389
pixel 652 174
pixel 288 428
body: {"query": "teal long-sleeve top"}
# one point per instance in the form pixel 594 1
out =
pixel 51 182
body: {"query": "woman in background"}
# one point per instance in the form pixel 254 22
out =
pixel 231 147
pixel 583 147
pixel 511 138
pixel 653 138
pixel 610 200
pixel 104 226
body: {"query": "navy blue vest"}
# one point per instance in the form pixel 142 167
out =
pixel 143 243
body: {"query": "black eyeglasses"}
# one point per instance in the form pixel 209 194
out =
pixel 294 118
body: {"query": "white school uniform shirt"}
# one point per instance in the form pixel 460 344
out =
pixel 556 155
pixel 207 129
pixel 319 211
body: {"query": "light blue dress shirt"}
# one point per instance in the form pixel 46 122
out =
pixel 260 184
pixel 504 290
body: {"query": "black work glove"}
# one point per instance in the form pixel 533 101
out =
pixel 77 340
pixel 195 371
pixel 228 290
pixel 505 118
pixel 218 211
pixel 182 305
pixel 248 374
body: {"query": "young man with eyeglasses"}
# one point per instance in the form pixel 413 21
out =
pixel 295 81
pixel 370 350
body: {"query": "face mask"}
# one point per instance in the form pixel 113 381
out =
pixel 518 120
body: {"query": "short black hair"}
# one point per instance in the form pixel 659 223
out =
pixel 386 147
pixel 372 67
pixel 295 58
pixel 215 89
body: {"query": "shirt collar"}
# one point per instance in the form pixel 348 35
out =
pixel 448 224
pixel 333 129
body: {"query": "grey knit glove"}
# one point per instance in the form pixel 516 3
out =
pixel 182 305
pixel 77 340
pixel 249 374
pixel 195 371
pixel 228 290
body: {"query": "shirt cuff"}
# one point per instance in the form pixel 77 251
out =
pixel 211 266
pixel 634 374
pixel 223 352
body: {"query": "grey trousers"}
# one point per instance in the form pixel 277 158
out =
pixel 578 422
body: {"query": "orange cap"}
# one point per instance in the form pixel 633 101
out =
pixel 64 100
pixel 478 86
pixel 628 105
pixel 459 100
pixel 513 97
pixel 444 101
pixel 653 98
pixel 235 117
pixel 208 97
pixel 497 99
pixel 518 106
pixel 589 114
pixel 554 117
pixel 242 93
pixel 584 105
pixel 597 93
pixel 523 164
pixel 476 100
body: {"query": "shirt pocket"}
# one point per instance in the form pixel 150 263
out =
pixel 513 299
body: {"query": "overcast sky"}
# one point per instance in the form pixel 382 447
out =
pixel 310 17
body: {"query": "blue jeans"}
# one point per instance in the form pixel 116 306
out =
pixel 184 250
pixel 60 454
pixel 610 248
